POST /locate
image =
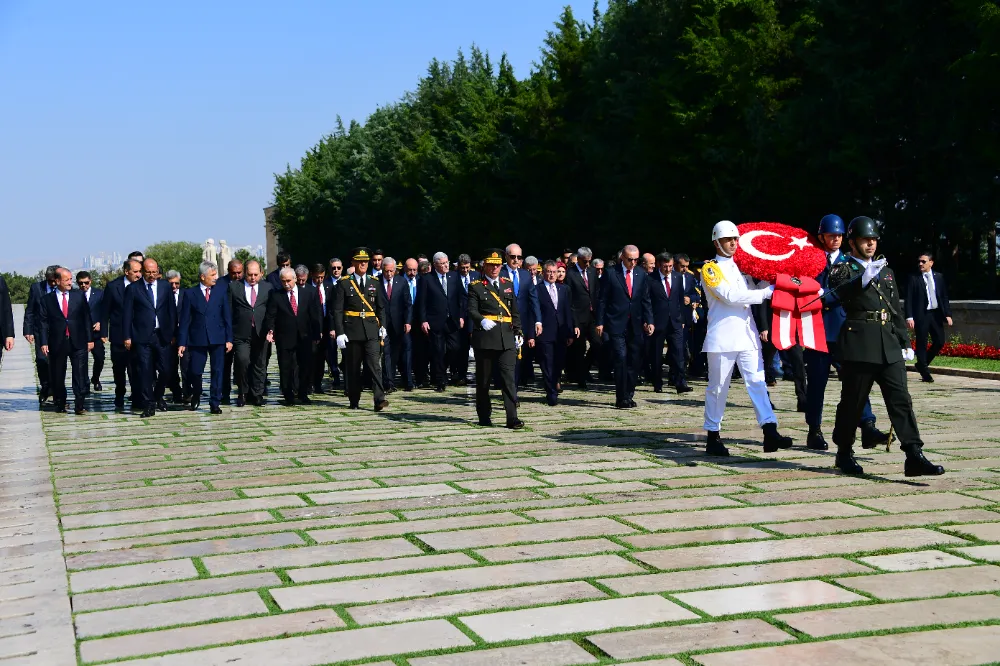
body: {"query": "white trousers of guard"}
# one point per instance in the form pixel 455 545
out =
pixel 720 373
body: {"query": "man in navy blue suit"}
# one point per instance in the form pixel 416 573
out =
pixel 625 312
pixel 399 311
pixel 441 312
pixel 460 371
pixel 527 302
pixel 149 320
pixel 121 359
pixel 667 296
pixel 206 330
pixel 66 334
pixel 95 299
pixel 559 330
pixel 6 320
pixel 32 325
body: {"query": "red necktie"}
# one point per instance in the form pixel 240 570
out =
pixel 586 282
pixel 253 302
pixel 65 309
pixel 295 306
pixel 666 284
pixel 628 282
pixel 388 290
pixel 208 292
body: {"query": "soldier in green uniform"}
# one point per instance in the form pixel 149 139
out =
pixel 358 313
pixel 873 345
pixel 496 337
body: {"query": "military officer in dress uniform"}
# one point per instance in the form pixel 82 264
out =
pixel 358 313
pixel 873 344
pixel 496 337
pixel 732 339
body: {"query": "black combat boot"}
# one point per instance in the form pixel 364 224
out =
pixel 872 436
pixel 846 463
pixel 715 446
pixel 773 440
pixel 917 465
pixel 815 439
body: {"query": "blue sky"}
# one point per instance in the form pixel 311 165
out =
pixel 126 123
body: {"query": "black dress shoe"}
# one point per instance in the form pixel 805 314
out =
pixel 178 399
pixel 194 405
pixel 623 404
pixel 353 405
pixel 98 386
pixel 516 424
pixel 60 407
pixel 226 400
pixel 43 395
pixel 305 400
pixel 148 413
pixel 846 463
pixel 684 388
pixel 917 465
pixel 439 388
pixel 657 389
pixel 79 411
pixel 773 440
pixel 216 409
pixel 425 385
pixel 552 401
pixel 462 382
pixel 161 405
pixel 485 424
pixel 715 446
pixel 631 403
pixel 815 440
pixel 379 406
pixel 241 401
pixel 120 407
pixel 136 409
pixel 391 389
pixel 871 436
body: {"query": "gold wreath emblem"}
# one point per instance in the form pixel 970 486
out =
pixel 711 274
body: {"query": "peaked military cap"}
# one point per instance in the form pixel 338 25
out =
pixel 361 254
pixel 495 256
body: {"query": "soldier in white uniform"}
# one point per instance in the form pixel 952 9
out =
pixel 733 339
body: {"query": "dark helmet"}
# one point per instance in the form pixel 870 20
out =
pixel 862 227
pixel 831 224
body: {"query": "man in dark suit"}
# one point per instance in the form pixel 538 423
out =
pixel 418 341
pixel 66 332
pixel 317 281
pixel 527 303
pixel 206 330
pixel 584 288
pixel 178 379
pixel 149 321
pixel 558 330
pixel 398 313
pixel 692 306
pixel 460 369
pixel 32 323
pixel 234 273
pixel 248 299
pixel 6 320
pixel 333 275
pixel 927 311
pixel 441 311
pixel 625 311
pixel 358 313
pixel 122 363
pixel 283 260
pixel 666 292
pixel 95 299
pixel 293 325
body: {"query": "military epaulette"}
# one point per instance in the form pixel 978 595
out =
pixel 503 279
pixel 346 277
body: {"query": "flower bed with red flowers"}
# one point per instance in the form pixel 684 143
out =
pixel 969 350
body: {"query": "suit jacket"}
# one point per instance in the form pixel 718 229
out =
pixel 557 321
pixel 669 312
pixel 6 312
pixel 33 310
pixel 527 299
pixel 248 321
pixel 864 339
pixel 346 299
pixel 916 296
pixel 616 310
pixel 96 304
pixel 399 309
pixel 139 318
pixel 474 276
pixel 442 311
pixel 113 308
pixel 483 301
pixel 205 323
pixel 274 279
pixel 415 294
pixel 291 328
pixel 833 311
pixel 691 289
pixel 583 295
pixel 53 323
pixel 325 305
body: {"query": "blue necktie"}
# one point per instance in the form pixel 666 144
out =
pixel 517 287
pixel 413 291
pixel 149 288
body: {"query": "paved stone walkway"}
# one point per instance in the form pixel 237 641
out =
pixel 319 535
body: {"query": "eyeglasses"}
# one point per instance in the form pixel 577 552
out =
pixel 514 256
pixel 921 261
pixel 633 259
pixel 336 268
pixel 83 283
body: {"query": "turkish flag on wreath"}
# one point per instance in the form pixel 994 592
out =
pixel 788 258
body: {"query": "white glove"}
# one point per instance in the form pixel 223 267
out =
pixel 908 354
pixel 518 341
pixel 382 332
pixel 820 293
pixel 342 341
pixel 488 324
pixel 872 271
pixel 768 292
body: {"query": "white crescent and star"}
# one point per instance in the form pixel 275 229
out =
pixel 746 242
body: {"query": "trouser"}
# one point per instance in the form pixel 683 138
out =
pixel 398 356
pixel 583 353
pixel 460 364
pixel 178 383
pixel 42 365
pixel 153 364
pixel 720 374
pixel 364 352
pixel 295 370
pixel 856 381
pixel 196 368
pixel 121 368
pixel 249 369
pixel 794 357
pixel 98 353
pixel 551 359
pixel 818 373
pixel 331 358
pixel 318 364
pixel 524 374
pixel 420 348
pixel 503 360
pixel 227 374
pixel 626 352
pixel 932 322
pixel 696 340
pixel 59 353
pixel 443 347
pixel 674 338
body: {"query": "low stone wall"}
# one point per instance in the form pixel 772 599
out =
pixel 979 320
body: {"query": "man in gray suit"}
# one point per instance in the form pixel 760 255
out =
pixel 248 303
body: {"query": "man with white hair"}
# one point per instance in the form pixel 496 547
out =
pixel 527 302
pixel 441 312
pixel 584 287
pixel 732 340
pixel 206 331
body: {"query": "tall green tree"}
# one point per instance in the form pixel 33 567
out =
pixel 181 256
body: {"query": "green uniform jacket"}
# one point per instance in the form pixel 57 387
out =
pixel 346 299
pixel 482 302
pixel 875 331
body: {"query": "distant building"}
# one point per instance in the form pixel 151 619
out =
pixel 102 262
pixel 271 238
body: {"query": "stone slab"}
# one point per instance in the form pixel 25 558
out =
pixel 554 549
pixel 150 594
pixel 575 618
pixel 329 486
pixel 308 555
pixel 688 638
pixel 380 567
pixel 985 532
pixel 930 583
pixel 928 502
pixel 770 596
pixel 399 492
pixel 190 611
pixel 180 511
pixel 501 484
pixel 498 536
pixel 336 534
pixel 134 574
pixel 748 515
pixel 189 549
pixel 629 508
pixel 665 539
pixel 165 526
pixel 833 525
pixel 571 479
pixel 590 489
pixel 561 653
pixel 923 559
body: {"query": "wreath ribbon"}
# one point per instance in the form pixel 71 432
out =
pixel 797 314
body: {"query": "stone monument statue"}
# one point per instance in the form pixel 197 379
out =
pixel 208 251
pixel 225 256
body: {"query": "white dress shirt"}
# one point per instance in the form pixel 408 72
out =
pixel 156 319
pixel 932 303
pixel 553 294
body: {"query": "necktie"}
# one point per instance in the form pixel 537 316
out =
pixel 295 306
pixel 931 296
pixel 517 285
pixel 208 293
pixel 65 310
pixel 465 283
pixel 322 298
pixel 553 295
pixel 444 283
pixel 253 302
pixel 361 282
pixel 388 290
pixel 666 284
pixel 149 289
pixel 586 282
pixel 413 290
pixel 628 282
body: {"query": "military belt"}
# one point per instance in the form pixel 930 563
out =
pixel 499 318
pixel 355 313
pixel 881 316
